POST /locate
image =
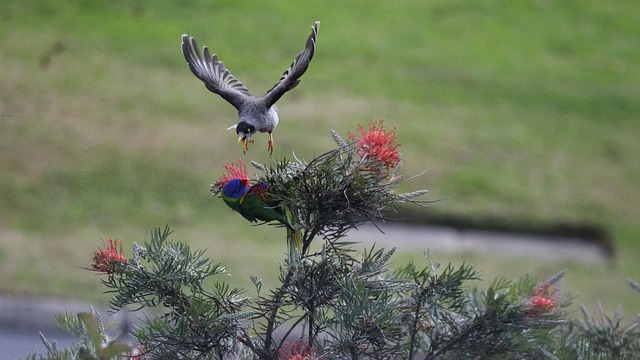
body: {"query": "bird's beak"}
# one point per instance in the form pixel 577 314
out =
pixel 245 142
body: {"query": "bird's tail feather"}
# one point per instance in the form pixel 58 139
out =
pixel 294 241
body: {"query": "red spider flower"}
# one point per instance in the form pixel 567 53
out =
pixel 298 350
pixel 235 170
pixel 106 259
pixel 544 300
pixel 377 145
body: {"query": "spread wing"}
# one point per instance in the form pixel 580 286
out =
pixel 291 76
pixel 213 73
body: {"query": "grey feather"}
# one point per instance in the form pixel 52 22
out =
pixel 213 73
pixel 291 77
pixel 255 113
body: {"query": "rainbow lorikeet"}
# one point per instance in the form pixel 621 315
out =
pixel 254 204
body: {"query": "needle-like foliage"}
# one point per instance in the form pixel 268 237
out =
pixel 340 189
pixel 335 302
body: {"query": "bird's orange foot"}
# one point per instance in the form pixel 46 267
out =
pixel 245 143
pixel 270 144
pixel 270 147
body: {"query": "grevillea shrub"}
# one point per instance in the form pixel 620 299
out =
pixel 335 302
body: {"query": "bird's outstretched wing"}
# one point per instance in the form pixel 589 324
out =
pixel 291 76
pixel 213 73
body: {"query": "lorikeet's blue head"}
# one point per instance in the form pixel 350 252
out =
pixel 235 188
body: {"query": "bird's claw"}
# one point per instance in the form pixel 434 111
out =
pixel 270 144
pixel 245 143
pixel 270 147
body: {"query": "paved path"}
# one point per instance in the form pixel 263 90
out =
pixel 421 237
pixel 22 319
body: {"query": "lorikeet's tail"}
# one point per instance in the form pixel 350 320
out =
pixel 294 240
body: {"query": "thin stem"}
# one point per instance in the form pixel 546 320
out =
pixel 286 335
pixel 268 339
pixel 412 344
pixel 447 346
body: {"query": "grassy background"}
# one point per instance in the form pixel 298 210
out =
pixel 516 110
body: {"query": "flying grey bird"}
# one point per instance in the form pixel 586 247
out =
pixel 256 113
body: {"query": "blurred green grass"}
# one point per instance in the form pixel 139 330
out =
pixel 524 110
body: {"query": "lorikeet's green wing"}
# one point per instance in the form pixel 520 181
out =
pixel 255 205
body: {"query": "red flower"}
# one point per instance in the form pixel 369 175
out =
pixel 298 350
pixel 377 145
pixel 137 352
pixel 106 259
pixel 235 170
pixel 544 300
